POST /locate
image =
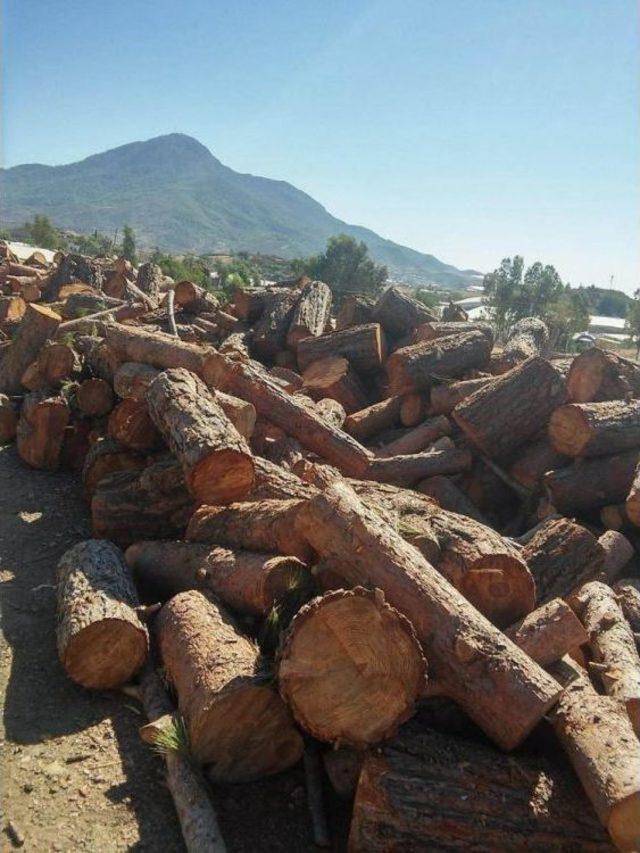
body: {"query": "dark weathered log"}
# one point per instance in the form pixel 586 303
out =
pixel 527 338
pixel 130 424
pixel 291 380
pixel 94 397
pixel 431 331
pixel 419 366
pixel 334 377
pixel 497 684
pixel 417 439
pixel 40 430
pixel 369 421
pixel 99 357
pixel 548 633
pixel 614 516
pixel 617 553
pixel 592 483
pixel 270 332
pixel 72 268
pixel 595 429
pixel 445 492
pixel 132 378
pixel 106 456
pixel 533 461
pixel 8 420
pixel 193 298
pixel 236 721
pixel 363 346
pixel 407 470
pixel 250 302
pixel 445 397
pixel 399 313
pixel 38 325
pixel 632 498
pixel 355 310
pixel 101 641
pixel 149 281
pixel 311 314
pixel 598 375
pixel 154 348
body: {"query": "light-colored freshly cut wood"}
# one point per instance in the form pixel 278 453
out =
pixel 435 329
pixel 38 325
pixel 596 375
pixel 130 425
pixel 351 668
pixel 399 313
pixel 595 429
pixel 363 346
pixel 101 641
pixel 154 348
pixel 371 420
pixel 592 483
pixel 548 633
pixel 55 363
pixel 217 462
pixel 237 722
pixel 41 428
pixel 617 553
pixel 8 420
pixel 94 397
pixel 527 338
pixel 12 309
pixel 417 439
pixel 334 377
pixel 407 470
pixel 245 581
pixel 502 689
pixel 106 456
pixel 311 314
pixel 446 396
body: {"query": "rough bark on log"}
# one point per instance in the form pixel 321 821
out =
pixel 595 429
pixel 355 311
pixel 597 375
pixel 132 379
pixel 273 482
pixel 617 553
pixel 71 268
pixel 270 332
pixel 94 397
pixel 193 298
pixel 369 421
pixel 149 280
pixel 532 463
pixel 130 424
pixel 154 348
pixel 311 313
pixel 245 581
pixel 363 346
pixel 217 463
pixel 399 314
pixel 632 498
pixel 40 430
pixel 592 483
pixel 407 470
pixel 101 641
pixel 38 325
pixel 527 338
pixel 445 397
pixel 249 303
pixel 419 366
pixel 106 456
pixel 351 668
pixel 431 331
pixel 413 408
pixel 8 420
pixel 99 357
pixel 237 722
pixel 417 439
pixel 513 408
pixel 497 684
pixel 548 633
pixel 249 382
pixel 334 377
pixel 447 495
pixel 627 593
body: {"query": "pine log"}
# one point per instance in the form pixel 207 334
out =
pixel 270 332
pixel 249 382
pixel 292 380
pixel 99 357
pixel 548 633
pixel 12 309
pixel 236 721
pixel 73 268
pixel 363 346
pixel 311 314
pixel 627 593
pixel 612 645
pixel 106 456
pixel 445 397
pixel 413 408
pixel 40 430
pixel 356 310
pixel 132 378
pixel 193 298
pixel 497 684
pixel 38 325
pixel 149 280
pixel 130 424
pixel 598 738
pixel 275 483
pixel 407 470
pixel 399 314
pixel 94 397
pixel 369 421
pixel 592 483
pixel 533 461
pixel 617 553
pixel 101 641
pixel 245 581
pixel 434 329
pixel 632 498
pixel 417 439
pixel 512 409
pixel 351 668
pixel 250 302
pixel 55 363
pixel 597 375
pixel 154 348
pixel 428 791
pixel 335 378
pixel 217 463
pixel 332 411
pixel 8 420
pixel 417 367
pixel 527 338
pixel 595 429
pixel 447 495
pixel 264 525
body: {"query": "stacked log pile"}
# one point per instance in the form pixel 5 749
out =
pixel 333 523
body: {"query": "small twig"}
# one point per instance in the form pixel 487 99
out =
pixel 315 800
pixel 170 313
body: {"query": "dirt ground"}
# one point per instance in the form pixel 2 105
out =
pixel 75 774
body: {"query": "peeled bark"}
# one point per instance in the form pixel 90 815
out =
pixel 548 633
pixel 399 313
pixel 417 439
pixel 130 424
pixel 351 668
pixel 335 378
pixel 532 462
pixel 41 428
pixel 311 314
pixel 444 398
pixel 369 421
pixel 236 721
pixel 94 397
pixel 363 346
pixel 592 483
pixel 561 557
pixel 101 641
pixel 596 375
pixel 154 348
pixel 413 408
pixel 512 409
pixel 527 338
pixel 447 495
pixel 106 456
pixel 471 661
pixel 8 420
pixel 632 498
pixel 595 429
pixel 38 325
pixel 407 470
pixel 417 367
pixel 617 553
pixel 434 329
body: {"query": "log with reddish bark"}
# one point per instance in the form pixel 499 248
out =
pixel 533 461
pixel 101 641
pixel 407 470
pixel 193 298
pixel 106 456
pixel 12 309
pixel 420 366
pixel 446 396
pixel 269 334
pixel 399 313
pixel 130 424
pixel 8 420
pixel 449 496
pixel 369 421
pixel 429 791
pixel 311 314
pixel 38 325
pixel 592 483
pixel 216 461
pixel 431 331
pixel 247 581
pixel 632 498
pixel 94 397
pixel 513 408
pixel 595 429
pixel 363 346
pixel 527 338
pixel 355 310
pixel 413 408
pixel 417 439
pixel 612 644
pixel 627 592
pixel 276 483
pixel 351 668
pixel 598 738
pixel 334 377
pixel 40 430
pixel 502 689
pixel 617 553
pixel 597 375
pixel 248 381
pixel 56 362
pixel 154 348
pixel 548 633
pixel 561 556
pixel 236 721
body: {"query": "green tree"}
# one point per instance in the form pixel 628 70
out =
pixel 346 267
pixel 239 272
pixel 427 297
pixel 633 321
pixel 42 233
pixel 129 244
pixel 513 293
pixel 95 245
pixel 187 268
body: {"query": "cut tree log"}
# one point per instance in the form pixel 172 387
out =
pixel 447 495
pixel 417 367
pixel 249 303
pixel 130 424
pixel 431 331
pixel 533 461
pixel 429 791
pixel 351 668
pixel 132 378
pixel 265 525
pixel 562 556
pixel 527 338
pixel 270 331
pixel 246 581
pixel 248 381
pixel 617 553
pixel 417 439
pixel 38 325
pixel 597 375
pixel 595 429
pixel 597 736
pixel 332 411
pixel 355 310
pixel 612 645
pixel 502 689
pixel 8 420
pixel 369 421
pixel 99 357
pixel 512 409
pixel 56 362
pixel 311 314
pixel 413 408
pixel 41 428
pixel 548 633
pixel 149 280
pixel 334 377
pixel 193 298
pixel 363 346
pixel 154 348
pixel 101 641
pixel 399 314
pixel 236 721
pixel 592 483
pixel 217 462
pixel 446 396
pixel 94 397
pixel 407 470
pixel 106 456
pixel 632 498
pixel 12 309
pixel 627 593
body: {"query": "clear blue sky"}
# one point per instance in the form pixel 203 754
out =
pixel 471 129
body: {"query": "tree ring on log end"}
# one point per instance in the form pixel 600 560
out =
pixel 105 654
pixel 223 476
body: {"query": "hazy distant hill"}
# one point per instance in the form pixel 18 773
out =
pixel 179 197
